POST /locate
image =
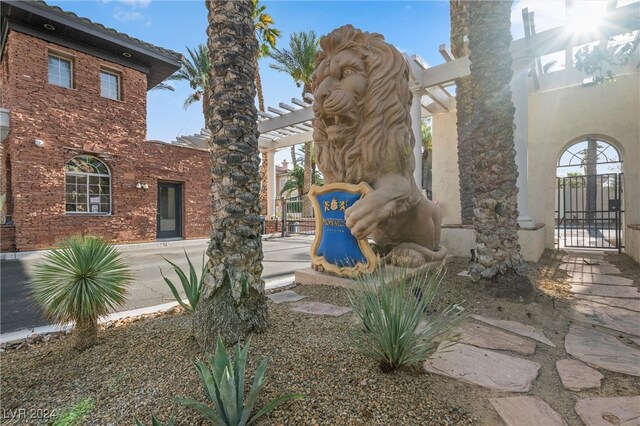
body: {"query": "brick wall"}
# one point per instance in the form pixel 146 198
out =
pixel 7 238
pixel 79 121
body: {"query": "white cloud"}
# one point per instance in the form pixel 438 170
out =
pixel 124 15
pixel 136 3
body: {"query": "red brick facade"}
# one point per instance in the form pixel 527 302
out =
pixel 79 121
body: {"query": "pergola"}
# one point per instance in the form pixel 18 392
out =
pixel 291 124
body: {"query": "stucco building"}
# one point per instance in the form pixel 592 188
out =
pixel 74 155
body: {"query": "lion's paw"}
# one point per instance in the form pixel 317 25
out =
pixel 405 257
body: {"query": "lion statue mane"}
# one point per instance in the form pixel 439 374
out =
pixel 362 133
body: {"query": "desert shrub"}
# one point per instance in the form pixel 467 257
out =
pixel 192 285
pixel 79 282
pixel 223 380
pixel 392 311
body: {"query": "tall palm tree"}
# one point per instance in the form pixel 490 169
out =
pixel 233 303
pixel 459 16
pixel 266 37
pixel 195 71
pixel 299 61
pixel 427 148
pixel 494 170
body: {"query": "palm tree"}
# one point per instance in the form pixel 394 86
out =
pixel 233 304
pixel 195 71
pixel 299 61
pixel 427 148
pixel 494 171
pixel 459 16
pixel 266 38
pixel 295 182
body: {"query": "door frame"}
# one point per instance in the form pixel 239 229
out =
pixel 179 232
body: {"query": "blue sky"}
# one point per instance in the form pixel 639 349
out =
pixel 416 27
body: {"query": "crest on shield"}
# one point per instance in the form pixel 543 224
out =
pixel 334 249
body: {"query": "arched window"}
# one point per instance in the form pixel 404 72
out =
pixel 589 157
pixel 87 186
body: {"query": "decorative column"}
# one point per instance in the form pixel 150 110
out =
pixel 520 99
pixel 416 121
pixel 271 183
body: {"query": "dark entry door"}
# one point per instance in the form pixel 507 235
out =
pixel 169 210
pixel 590 211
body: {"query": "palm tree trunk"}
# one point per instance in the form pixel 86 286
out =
pixel 308 173
pixel 264 164
pixel 495 171
pixel 259 85
pixel 233 303
pixel 86 334
pixel 459 15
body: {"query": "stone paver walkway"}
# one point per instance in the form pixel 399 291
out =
pixel 606 313
pixel 489 352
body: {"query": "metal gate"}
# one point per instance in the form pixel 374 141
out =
pixel 292 220
pixel 589 211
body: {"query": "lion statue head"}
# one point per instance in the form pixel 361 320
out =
pixel 362 124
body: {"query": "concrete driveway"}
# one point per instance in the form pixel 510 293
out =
pixel 282 257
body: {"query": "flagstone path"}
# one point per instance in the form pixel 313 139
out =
pixel 489 352
pixel 601 299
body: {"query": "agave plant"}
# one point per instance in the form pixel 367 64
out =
pixel 392 312
pixel 79 282
pixel 192 285
pixel 223 381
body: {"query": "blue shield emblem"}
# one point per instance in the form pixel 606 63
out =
pixel 335 249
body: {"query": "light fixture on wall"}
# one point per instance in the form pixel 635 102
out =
pixel 39 142
pixel 141 185
pixel 49 27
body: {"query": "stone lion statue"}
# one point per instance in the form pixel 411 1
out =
pixel 362 132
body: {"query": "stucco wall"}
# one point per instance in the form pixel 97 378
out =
pixel 446 187
pixel 558 118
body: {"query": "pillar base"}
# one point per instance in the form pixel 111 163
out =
pixel 526 222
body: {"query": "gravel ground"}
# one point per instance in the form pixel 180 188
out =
pixel 140 366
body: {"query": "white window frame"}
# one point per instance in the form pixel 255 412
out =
pixel 88 203
pixel 118 84
pixel 65 59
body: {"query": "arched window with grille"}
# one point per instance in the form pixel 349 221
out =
pixel 87 186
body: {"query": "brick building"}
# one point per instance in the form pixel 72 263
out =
pixel 74 155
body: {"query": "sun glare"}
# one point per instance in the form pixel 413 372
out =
pixel 586 16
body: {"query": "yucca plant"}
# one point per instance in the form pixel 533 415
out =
pixel 392 311
pixel 79 282
pixel 223 381
pixel 192 285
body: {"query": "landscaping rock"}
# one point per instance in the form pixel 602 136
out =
pixel 577 376
pixel 602 350
pixel 599 279
pixel 494 338
pixel 608 316
pixel 317 308
pixel 516 327
pixel 482 367
pixel 606 290
pixel 631 304
pixel 526 410
pixel 285 296
pixel 624 410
